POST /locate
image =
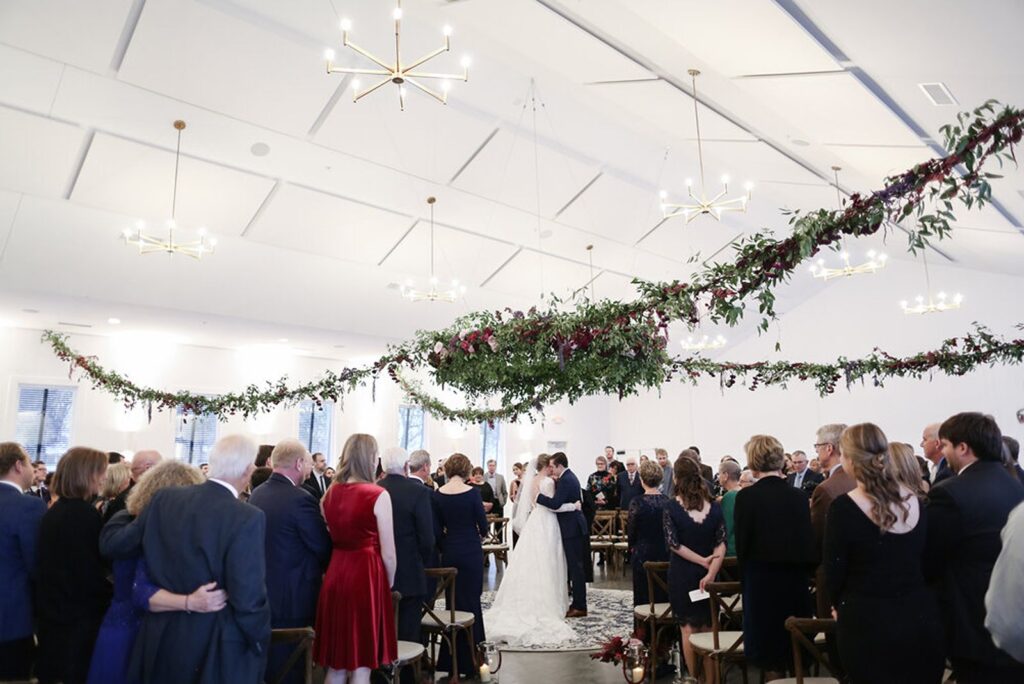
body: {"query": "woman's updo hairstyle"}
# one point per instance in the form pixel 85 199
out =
pixel 866 449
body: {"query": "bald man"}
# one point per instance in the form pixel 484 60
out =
pixel 141 462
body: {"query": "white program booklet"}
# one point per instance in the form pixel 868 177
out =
pixel 699 595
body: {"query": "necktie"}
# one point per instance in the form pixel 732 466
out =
pixel 798 480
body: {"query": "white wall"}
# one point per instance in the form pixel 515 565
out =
pixel 99 421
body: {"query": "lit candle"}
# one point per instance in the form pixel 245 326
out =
pixel 638 674
pixel 485 673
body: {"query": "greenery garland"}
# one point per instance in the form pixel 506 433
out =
pixel 530 359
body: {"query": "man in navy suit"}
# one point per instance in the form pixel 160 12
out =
pixel 191 536
pixel 573 526
pixel 19 531
pixel 938 468
pixel 629 484
pixel 298 547
pixel 413 521
pixel 966 514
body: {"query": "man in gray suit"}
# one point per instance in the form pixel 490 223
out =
pixel 497 482
pixel 666 471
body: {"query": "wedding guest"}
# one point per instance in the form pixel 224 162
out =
pixel 141 462
pixel 69 571
pixel 1011 450
pixel 801 476
pixel 118 479
pixel 39 488
pixel 874 543
pixel 629 484
pixel 775 553
pixel 439 476
pixel 814 465
pixel 938 468
pixel 190 537
pixel 204 468
pixel 705 470
pixel 297 547
pixel 258 477
pixel 516 483
pixel 645 533
pixel 134 593
pixel 263 455
pixel 19 531
pixel 419 468
pixel 602 487
pixel 695 534
pixel 906 469
pixel 1004 600
pixel 486 493
pixel 966 514
pixel 837 482
pixel 460 525
pixel 496 481
pixel 729 479
pixel 413 521
pixel 746 478
pixel 114 457
pixel 318 480
pixel 330 474
pixel 666 471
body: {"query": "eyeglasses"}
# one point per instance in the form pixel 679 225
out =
pixel 823 444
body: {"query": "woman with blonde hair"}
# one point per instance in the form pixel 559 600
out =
pixel 874 544
pixel 355 620
pixel 906 468
pixel 119 476
pixel 134 594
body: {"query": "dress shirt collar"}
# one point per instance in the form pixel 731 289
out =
pixel 225 485
pixel 964 469
pixel 9 483
pixel 833 469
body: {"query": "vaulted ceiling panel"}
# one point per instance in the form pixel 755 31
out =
pixel 37 155
pixel 530 273
pixel 26 80
pixel 614 209
pixel 457 255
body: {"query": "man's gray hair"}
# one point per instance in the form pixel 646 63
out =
pixel 231 457
pixel 418 459
pixel 830 434
pixel 393 460
pixel 631 459
pixel 731 469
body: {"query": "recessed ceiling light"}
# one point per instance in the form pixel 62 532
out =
pixel 114 321
pixel 31 311
pixel 260 149
pixel 74 325
pixel 800 143
pixel 546 233
pixel 937 93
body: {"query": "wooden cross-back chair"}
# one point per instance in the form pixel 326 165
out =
pixel 656 617
pixel 602 532
pixel 447 623
pixel 807 636
pixel 409 653
pixel 303 638
pixel 495 543
pixel 722 646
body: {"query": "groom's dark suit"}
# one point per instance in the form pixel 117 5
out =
pixel 574 529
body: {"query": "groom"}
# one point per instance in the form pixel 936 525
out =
pixel 574 529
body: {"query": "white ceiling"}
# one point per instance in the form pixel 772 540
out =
pixel 574 117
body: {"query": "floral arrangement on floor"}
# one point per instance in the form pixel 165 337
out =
pixel 616 649
pixel 526 360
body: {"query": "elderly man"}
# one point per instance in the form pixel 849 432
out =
pixel 141 462
pixel 19 531
pixel 419 467
pixel 497 482
pixel 802 477
pixel 666 471
pixel 413 521
pixel 298 547
pixel 729 473
pixel 836 483
pixel 938 469
pixel 746 478
pixel 190 536
pixel 629 484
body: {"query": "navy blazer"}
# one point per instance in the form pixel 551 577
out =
pixel 943 472
pixel 413 520
pixel 298 548
pixel 19 531
pixel 966 514
pixel 567 490
pixel 628 491
pixel 190 536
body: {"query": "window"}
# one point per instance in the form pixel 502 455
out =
pixel 411 433
pixel 44 421
pixel 315 426
pixel 194 436
pixel 491 442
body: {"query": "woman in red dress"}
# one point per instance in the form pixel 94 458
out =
pixel 355 620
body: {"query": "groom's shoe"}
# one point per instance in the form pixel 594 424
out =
pixel 575 613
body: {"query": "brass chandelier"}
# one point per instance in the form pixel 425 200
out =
pixel 432 293
pixel 398 72
pixel 147 243
pixel 876 261
pixel 705 343
pixel 937 304
pixel 714 206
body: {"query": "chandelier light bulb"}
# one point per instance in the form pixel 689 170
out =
pixel 127 233
pixel 433 280
pixel 748 186
pixel 663 194
pixel 942 295
pixel 355 84
pixel 465 62
pixel 397 14
pixel 447 30
pixel 725 179
pixel 446 86
pixel 346 25
pixel 329 55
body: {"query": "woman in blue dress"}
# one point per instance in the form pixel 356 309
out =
pixel 460 525
pixel 645 533
pixel 134 595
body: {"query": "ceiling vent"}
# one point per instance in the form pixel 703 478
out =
pixel 74 325
pixel 938 93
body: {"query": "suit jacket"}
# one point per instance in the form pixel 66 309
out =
pixel 830 489
pixel 499 488
pixel 413 520
pixel 773 525
pixel 810 481
pixel 298 548
pixel 567 490
pixel 20 516
pixel 190 536
pixel 627 491
pixel 942 472
pixel 966 513
pixel 707 473
pixel 312 485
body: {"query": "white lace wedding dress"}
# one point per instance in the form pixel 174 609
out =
pixel 529 608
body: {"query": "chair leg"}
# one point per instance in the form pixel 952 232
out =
pixel 652 666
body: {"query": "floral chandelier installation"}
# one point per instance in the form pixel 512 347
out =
pixel 522 361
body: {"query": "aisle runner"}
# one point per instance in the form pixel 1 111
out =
pixel 610 613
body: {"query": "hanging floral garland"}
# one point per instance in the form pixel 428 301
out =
pixel 526 360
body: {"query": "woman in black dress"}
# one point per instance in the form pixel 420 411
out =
pixel 645 532
pixel 460 525
pixel 888 625
pixel 74 592
pixel 695 534
pixel 776 556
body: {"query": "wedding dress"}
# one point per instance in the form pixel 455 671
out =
pixel 529 608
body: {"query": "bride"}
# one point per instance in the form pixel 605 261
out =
pixel 529 608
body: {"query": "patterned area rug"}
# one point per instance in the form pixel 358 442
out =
pixel 609 613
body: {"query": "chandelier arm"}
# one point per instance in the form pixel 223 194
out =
pixel 424 59
pixel 398 41
pixel 433 74
pixel 719 196
pixel 369 90
pixel 437 96
pixel 361 72
pixel 370 56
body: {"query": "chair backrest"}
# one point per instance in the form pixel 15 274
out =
pixel 724 597
pixel 802 632
pixel 657 578
pixel 496 530
pixel 730 570
pixel 445 587
pixel 603 528
pixel 623 521
pixel 303 638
